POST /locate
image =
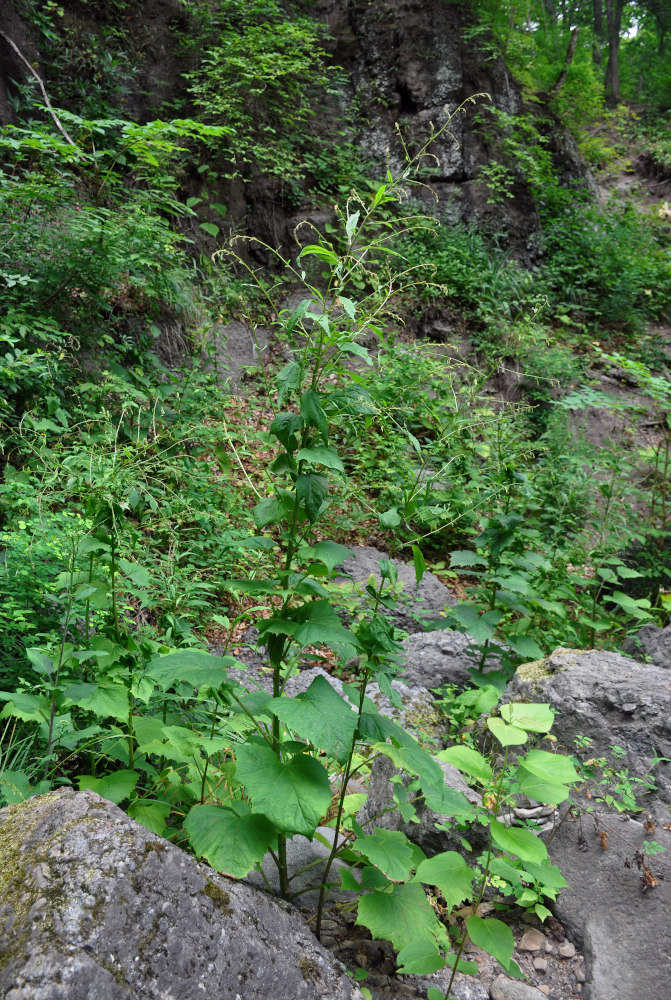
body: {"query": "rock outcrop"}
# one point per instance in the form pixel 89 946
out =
pixel 94 907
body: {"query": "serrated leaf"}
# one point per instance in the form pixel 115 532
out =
pixel 522 843
pixel 321 716
pixel 481 627
pixel 106 700
pixel 419 563
pixel 413 759
pixel 331 554
pixel 267 511
pixel 401 915
pixel 41 662
pixel 390 518
pixel 389 851
pixel 535 717
pixel 321 455
pixel 294 795
pixel 29 707
pixel 232 839
pixel 288 378
pixel 116 786
pixel 508 736
pixel 311 491
pixel 151 815
pixel 525 646
pixel 467 558
pixel 450 873
pixel 420 958
pixel 189 666
pixel 313 414
pixel 469 761
pixel 496 938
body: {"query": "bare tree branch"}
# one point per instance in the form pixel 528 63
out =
pixel 40 84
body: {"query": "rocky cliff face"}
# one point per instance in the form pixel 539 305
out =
pixel 406 62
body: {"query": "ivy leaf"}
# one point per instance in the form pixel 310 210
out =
pixel 294 795
pixel 311 491
pixel 496 938
pixel 468 760
pixel 389 851
pixel 518 841
pixel 116 786
pixel 450 873
pixel 321 716
pixel 402 915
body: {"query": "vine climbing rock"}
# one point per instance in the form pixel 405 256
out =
pixel 93 905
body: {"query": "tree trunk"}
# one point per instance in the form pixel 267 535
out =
pixel 570 52
pixel 598 32
pixel 613 23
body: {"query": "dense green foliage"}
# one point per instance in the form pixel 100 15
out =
pixel 148 514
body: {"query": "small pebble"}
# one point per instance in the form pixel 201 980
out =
pixel 328 941
pixel 579 976
pixel 544 988
pixel 567 950
pixel 550 949
pixel 578 989
pixel 532 940
pixel 541 964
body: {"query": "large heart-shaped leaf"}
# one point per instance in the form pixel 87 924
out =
pixel 294 795
pixel 232 838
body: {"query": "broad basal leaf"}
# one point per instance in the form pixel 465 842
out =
pixel 116 786
pixel 469 761
pixel 496 938
pixel 190 666
pixel 508 736
pixel 400 915
pixel 151 814
pixel 106 700
pixel 450 873
pixel 232 838
pixel 294 795
pixel 388 850
pixel 414 760
pixel 319 715
pixel 535 718
pixel 420 958
pixel 516 840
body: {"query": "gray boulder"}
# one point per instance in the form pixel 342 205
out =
pixel 92 905
pixel 612 700
pixel 440 657
pixel 380 810
pixel 651 644
pixel 623 930
pixel 423 602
